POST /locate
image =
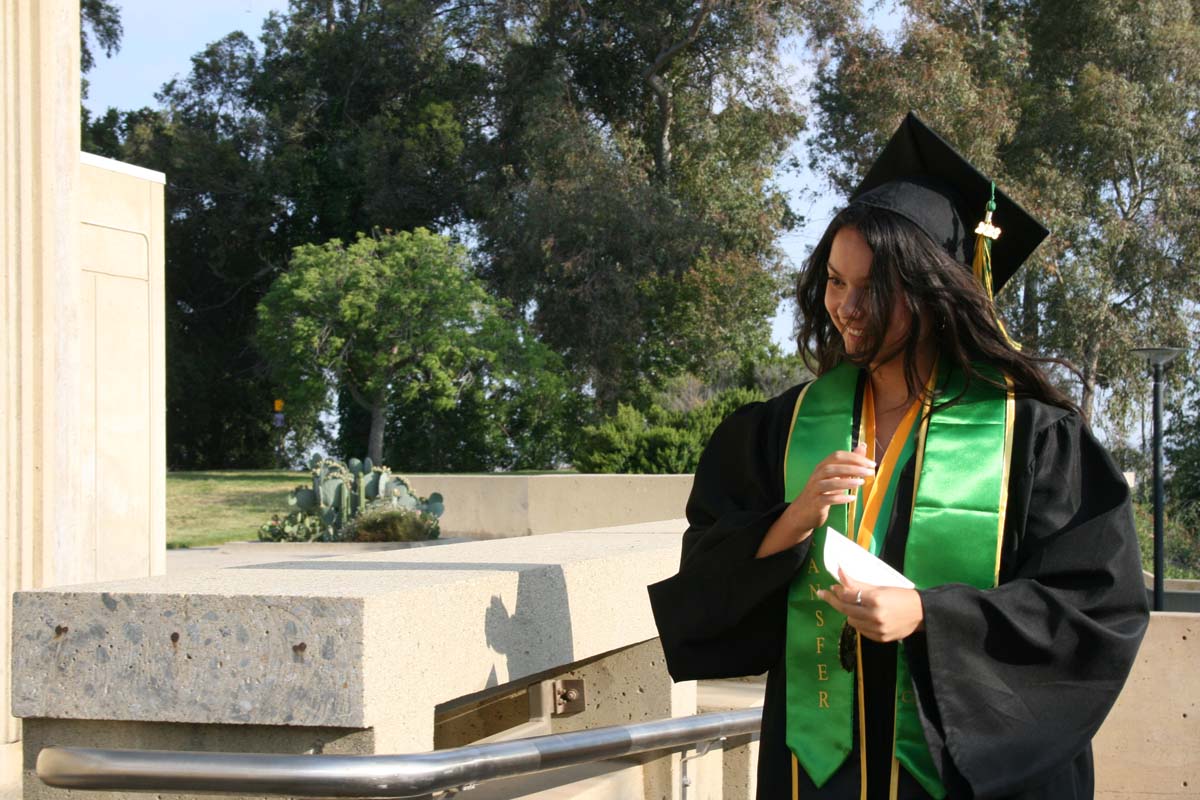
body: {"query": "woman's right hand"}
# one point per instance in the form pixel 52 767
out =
pixel 829 485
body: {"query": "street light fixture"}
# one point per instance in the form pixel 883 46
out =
pixel 1158 358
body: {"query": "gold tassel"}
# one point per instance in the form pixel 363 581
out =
pixel 985 233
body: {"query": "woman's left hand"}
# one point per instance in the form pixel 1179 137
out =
pixel 886 614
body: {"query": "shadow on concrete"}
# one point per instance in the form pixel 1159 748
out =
pixel 536 635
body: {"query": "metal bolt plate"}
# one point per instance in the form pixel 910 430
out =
pixel 568 697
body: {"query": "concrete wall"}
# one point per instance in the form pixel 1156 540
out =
pixel 490 506
pixel 1178 594
pixel 1149 747
pixel 81 337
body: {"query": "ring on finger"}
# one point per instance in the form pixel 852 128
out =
pixel 858 598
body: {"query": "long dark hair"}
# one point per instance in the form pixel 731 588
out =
pixel 941 294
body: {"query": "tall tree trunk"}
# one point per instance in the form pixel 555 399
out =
pixel 377 405
pixel 375 437
pixel 1087 398
pixel 662 90
pixel 662 150
pixel 1029 309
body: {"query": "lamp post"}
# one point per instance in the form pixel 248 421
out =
pixel 1158 358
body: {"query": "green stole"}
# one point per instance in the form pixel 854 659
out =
pixel 956 527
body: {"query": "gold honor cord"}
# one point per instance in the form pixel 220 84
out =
pixel 955 484
pixel 878 504
pixel 877 495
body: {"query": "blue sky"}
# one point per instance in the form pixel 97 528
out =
pixel 160 37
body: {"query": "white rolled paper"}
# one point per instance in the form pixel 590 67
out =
pixel 858 564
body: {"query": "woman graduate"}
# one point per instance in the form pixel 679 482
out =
pixel 933 442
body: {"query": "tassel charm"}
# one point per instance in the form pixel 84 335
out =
pixel 986 228
pixel 985 233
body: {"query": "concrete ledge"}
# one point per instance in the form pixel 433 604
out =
pixel 326 643
pixel 93 160
pixel 490 506
pixel 240 554
pixel 1179 595
pixel 1172 584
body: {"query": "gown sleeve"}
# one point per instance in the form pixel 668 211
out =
pixel 1013 682
pixel 723 614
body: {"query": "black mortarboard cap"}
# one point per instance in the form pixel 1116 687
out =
pixel 923 179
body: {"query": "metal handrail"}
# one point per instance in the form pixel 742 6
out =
pixel 375 776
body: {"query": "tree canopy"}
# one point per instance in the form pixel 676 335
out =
pixel 611 163
pixel 1085 111
pixel 613 168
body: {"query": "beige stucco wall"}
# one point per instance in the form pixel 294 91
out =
pixel 122 437
pixel 81 339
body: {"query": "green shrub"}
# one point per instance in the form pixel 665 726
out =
pixel 662 449
pixel 660 441
pixel 609 446
pixel 297 526
pixel 381 521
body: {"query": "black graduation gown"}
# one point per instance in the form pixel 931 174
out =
pixel 1011 682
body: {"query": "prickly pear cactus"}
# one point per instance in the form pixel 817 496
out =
pixel 434 506
pixel 327 510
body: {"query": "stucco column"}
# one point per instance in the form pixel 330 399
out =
pixel 39 312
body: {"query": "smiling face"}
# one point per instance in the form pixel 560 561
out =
pixel 847 299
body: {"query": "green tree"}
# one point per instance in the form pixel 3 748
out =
pixel 224 245
pixel 1086 111
pixel 1114 110
pixel 390 318
pixel 520 411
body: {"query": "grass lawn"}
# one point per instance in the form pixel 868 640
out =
pixel 207 508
